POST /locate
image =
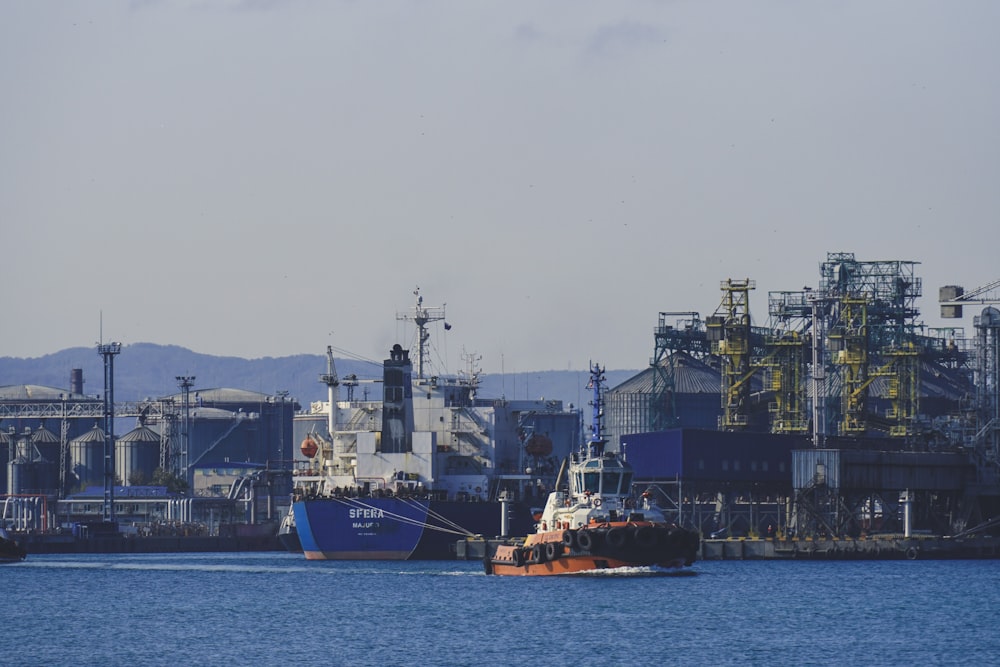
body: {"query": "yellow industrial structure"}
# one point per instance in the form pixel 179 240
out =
pixel 842 359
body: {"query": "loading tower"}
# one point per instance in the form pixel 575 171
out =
pixel 871 331
pixel 785 367
pixel 729 331
pixel 686 334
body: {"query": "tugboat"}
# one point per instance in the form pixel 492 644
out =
pixel 10 551
pixel 596 524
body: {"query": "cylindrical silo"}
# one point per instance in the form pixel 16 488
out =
pixel 86 456
pixel 21 477
pixel 46 477
pixel 46 443
pixel 46 468
pixel 137 455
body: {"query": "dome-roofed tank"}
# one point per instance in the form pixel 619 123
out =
pixel 46 443
pixel 137 455
pixel 86 456
pixel 46 464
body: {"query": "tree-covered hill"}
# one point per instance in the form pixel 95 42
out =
pixel 146 370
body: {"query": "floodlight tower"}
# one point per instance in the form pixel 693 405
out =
pixel 186 382
pixel 109 351
pixel 282 394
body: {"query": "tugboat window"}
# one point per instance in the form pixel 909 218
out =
pixel 611 480
pixel 592 482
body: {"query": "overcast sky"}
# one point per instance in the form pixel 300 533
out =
pixel 266 178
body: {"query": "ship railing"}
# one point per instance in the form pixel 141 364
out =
pixel 379 481
pixel 478 419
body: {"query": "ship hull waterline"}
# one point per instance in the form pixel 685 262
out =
pixel 606 547
pixel 350 528
pixel 576 565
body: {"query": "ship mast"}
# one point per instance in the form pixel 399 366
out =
pixel 596 442
pixel 422 316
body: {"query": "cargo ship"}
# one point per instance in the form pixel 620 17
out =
pixel 596 522
pixel 407 476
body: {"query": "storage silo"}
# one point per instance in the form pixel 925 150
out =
pixel 696 399
pixel 137 455
pixel 46 468
pixel 46 443
pixel 86 455
pixel 21 476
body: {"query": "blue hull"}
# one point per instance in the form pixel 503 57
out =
pixel 396 528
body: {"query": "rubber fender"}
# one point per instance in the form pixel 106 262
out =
pixel 616 538
pixel 584 540
pixel 644 537
pixel 569 539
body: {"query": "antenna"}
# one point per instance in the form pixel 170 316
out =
pixel 596 384
pixel 422 316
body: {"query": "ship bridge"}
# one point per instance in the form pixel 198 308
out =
pixel 607 475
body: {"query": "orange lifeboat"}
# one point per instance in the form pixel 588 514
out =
pixel 309 447
pixel 538 445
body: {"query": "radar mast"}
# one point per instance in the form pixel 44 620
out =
pixel 422 315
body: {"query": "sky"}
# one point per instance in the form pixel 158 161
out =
pixel 263 178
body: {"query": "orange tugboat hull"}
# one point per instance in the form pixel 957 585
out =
pixel 604 547
pixel 572 565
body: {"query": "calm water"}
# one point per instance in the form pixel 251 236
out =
pixel 277 609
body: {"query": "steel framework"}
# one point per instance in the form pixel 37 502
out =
pixel 687 334
pixel 729 331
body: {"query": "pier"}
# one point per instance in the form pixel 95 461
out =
pixel 874 547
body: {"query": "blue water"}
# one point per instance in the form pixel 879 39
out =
pixel 278 609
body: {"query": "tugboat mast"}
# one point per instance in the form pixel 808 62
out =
pixel 596 442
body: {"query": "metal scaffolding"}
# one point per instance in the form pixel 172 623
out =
pixel 687 334
pixel 786 370
pixel 729 331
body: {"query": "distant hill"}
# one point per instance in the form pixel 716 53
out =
pixel 145 370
